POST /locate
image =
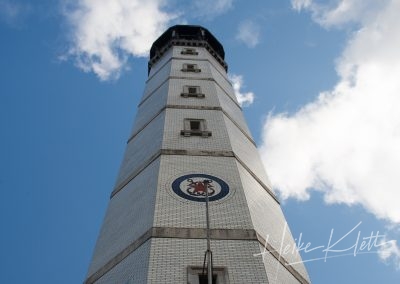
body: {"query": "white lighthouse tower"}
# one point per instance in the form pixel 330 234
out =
pixel 192 202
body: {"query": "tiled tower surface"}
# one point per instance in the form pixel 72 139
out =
pixel 190 136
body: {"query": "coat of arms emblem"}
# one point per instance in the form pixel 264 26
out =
pixel 195 187
pixel 200 188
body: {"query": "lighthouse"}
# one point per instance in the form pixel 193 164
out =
pixel 192 202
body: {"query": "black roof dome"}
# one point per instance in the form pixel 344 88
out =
pixel 187 35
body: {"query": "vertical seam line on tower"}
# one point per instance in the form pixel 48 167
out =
pixel 127 180
pixel 257 179
pixel 281 259
pixel 145 125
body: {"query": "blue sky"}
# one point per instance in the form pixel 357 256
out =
pixel 319 85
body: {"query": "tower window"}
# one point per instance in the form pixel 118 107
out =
pixel 189 51
pixel 204 280
pixel 190 68
pixel 195 127
pixel 195 276
pixel 192 92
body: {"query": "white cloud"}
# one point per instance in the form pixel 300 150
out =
pixel 346 144
pixel 301 4
pixel 244 99
pixel 340 12
pixel 13 12
pixel 248 33
pixel 211 8
pixel 389 251
pixel 105 33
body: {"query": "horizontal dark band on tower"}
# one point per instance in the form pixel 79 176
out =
pixel 179 233
pixel 196 108
pixel 193 233
pixel 181 152
pixel 173 107
pixel 190 78
pixel 184 59
pixel 169 152
pixel 197 153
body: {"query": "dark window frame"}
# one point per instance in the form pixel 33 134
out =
pixel 195 127
pixel 189 51
pixel 190 67
pixel 192 92
pixel 195 275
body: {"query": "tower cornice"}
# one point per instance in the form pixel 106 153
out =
pixel 187 35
